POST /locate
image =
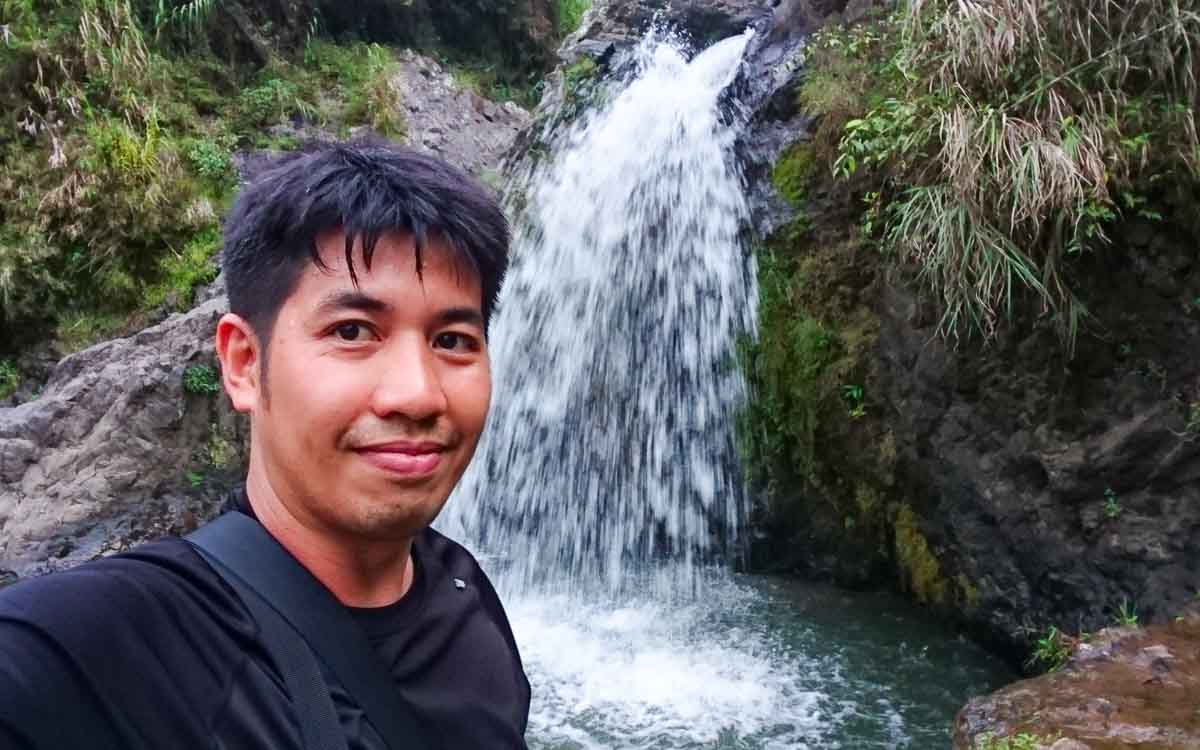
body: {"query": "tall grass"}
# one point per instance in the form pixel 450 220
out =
pixel 1016 133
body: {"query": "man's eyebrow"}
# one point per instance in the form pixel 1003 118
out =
pixel 469 315
pixel 352 300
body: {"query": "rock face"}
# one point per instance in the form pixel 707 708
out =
pixel 457 125
pixel 116 450
pixel 101 460
pixel 1011 485
pixel 1127 688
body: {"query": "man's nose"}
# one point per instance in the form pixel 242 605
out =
pixel 408 382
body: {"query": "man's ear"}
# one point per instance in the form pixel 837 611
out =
pixel 241 361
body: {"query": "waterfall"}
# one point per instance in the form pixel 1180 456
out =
pixel 606 489
pixel 609 454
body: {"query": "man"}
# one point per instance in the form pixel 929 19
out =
pixel 361 278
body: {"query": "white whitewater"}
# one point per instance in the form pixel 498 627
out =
pixel 606 489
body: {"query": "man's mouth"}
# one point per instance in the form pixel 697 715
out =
pixel 404 458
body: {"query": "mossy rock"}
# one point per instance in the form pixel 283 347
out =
pixel 921 574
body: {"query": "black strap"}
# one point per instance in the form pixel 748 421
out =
pixel 320 727
pixel 243 546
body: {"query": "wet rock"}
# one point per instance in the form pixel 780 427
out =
pixel 1132 688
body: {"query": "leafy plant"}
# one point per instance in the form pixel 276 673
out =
pixel 1052 651
pixel 212 160
pixel 10 378
pixel 1112 509
pixel 785 371
pixel 1127 614
pixel 854 397
pixel 202 380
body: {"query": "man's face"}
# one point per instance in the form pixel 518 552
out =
pixel 377 394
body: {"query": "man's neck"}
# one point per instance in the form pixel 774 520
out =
pixel 358 573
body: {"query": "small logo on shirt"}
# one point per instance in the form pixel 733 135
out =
pixel 460 584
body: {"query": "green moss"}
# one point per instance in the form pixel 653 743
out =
pixel 220 451
pixel 921 574
pixel 968 593
pixel 784 368
pixel 79 330
pixel 793 173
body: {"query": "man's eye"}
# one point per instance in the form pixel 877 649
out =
pixel 455 341
pixel 351 331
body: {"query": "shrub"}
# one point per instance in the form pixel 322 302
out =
pixel 1007 136
pixel 184 270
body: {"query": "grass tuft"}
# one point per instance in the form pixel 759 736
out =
pixel 1003 139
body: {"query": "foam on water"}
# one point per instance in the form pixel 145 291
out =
pixel 643 675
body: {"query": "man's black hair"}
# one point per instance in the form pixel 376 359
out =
pixel 367 188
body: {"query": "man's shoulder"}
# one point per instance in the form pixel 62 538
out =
pixel 137 647
pixel 438 550
pixel 136 591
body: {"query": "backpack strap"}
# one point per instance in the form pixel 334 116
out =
pixel 320 727
pixel 249 557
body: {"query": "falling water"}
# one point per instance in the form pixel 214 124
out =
pixel 610 441
pixel 606 489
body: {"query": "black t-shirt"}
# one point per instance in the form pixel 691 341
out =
pixel 161 653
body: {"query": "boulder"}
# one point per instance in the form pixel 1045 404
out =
pixel 116 450
pixel 1126 688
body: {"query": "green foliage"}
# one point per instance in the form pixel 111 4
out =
pixel 579 72
pixel 212 159
pixel 1051 651
pixel 1112 509
pixel 10 378
pixel 185 270
pixel 569 14
pixel 1127 615
pixel 1019 741
pixel 189 14
pixel 271 101
pixel 373 99
pixel 77 330
pixel 203 380
pixel 792 173
pixel 784 369
pixel 194 478
pixel 1000 140
pixel 855 400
